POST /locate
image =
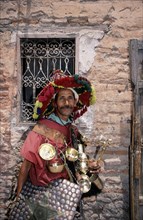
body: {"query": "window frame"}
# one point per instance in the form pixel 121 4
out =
pixel 19 64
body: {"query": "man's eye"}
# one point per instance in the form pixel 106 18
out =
pixel 71 98
pixel 61 98
pixel 68 98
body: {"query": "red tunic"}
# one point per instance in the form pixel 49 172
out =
pixel 39 174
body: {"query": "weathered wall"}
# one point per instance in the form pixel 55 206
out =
pixel 104 29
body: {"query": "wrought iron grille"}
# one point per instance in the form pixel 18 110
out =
pixel 39 58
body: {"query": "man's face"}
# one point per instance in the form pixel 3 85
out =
pixel 65 103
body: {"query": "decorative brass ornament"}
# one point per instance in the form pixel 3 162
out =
pixel 83 167
pixel 47 151
pixel 71 154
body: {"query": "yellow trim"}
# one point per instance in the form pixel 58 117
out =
pixel 35 116
pixel 38 104
pixel 53 84
pixel 93 96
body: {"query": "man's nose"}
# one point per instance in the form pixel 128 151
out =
pixel 66 102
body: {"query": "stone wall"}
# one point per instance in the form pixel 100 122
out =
pixel 104 29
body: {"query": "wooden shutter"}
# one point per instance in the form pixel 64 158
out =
pixel 136 148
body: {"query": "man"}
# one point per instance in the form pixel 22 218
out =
pixel 53 152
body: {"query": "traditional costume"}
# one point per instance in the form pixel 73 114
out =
pixel 53 147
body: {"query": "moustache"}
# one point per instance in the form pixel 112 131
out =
pixel 66 107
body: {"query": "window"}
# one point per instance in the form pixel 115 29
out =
pixel 39 58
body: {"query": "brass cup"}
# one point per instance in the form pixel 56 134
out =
pixel 96 180
pixel 55 167
pixel 71 154
pixel 84 183
pixel 47 151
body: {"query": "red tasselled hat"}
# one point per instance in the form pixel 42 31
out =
pixel 81 87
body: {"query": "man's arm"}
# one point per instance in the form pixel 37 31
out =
pixel 24 170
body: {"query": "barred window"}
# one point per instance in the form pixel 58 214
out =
pixel 39 58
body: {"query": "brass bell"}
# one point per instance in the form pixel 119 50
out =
pixel 71 154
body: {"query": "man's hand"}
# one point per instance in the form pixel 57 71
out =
pixel 94 166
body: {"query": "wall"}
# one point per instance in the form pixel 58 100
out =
pixel 103 29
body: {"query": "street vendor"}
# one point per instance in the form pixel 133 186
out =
pixel 54 154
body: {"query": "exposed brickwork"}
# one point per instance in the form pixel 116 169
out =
pixel 110 24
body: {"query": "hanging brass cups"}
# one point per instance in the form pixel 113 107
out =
pixel 71 154
pixel 48 152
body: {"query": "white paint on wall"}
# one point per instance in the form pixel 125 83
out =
pixel 88 41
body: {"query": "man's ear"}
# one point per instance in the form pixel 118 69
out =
pixel 75 103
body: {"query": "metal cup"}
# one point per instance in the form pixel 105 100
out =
pixel 84 183
pixel 56 167
pixel 96 180
pixel 47 151
pixel 71 154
